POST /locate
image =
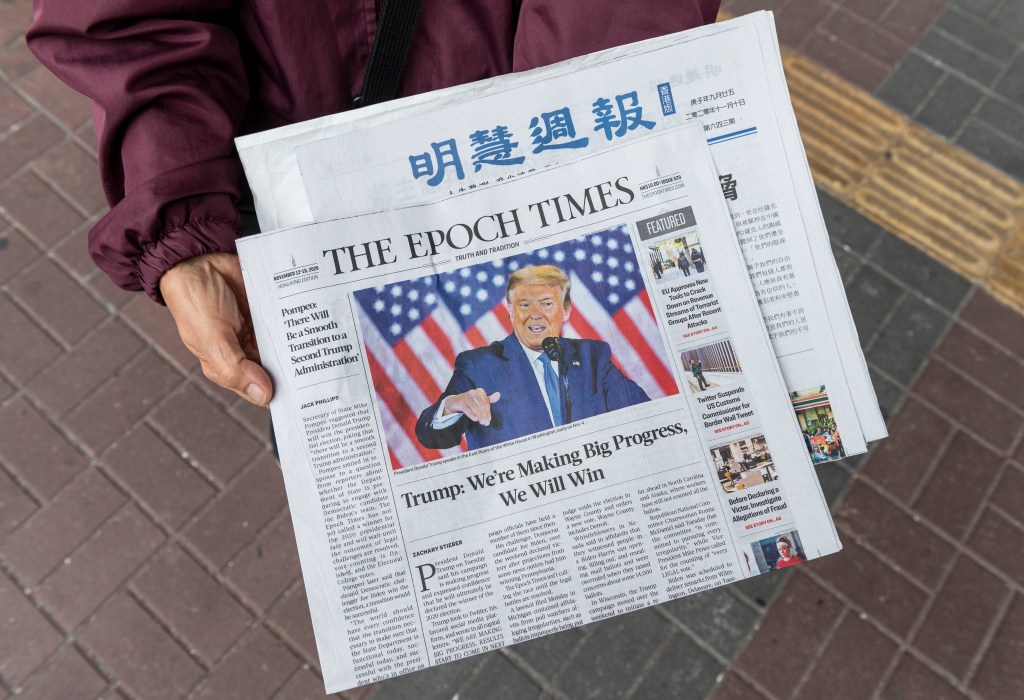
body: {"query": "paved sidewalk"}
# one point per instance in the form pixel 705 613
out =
pixel 145 546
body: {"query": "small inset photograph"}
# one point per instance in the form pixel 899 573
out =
pixel 675 259
pixel 742 464
pixel 778 552
pixel 711 367
pixel 818 424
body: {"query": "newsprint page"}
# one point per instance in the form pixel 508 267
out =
pixel 494 424
pixel 727 77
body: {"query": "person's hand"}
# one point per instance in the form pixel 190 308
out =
pixel 475 404
pixel 206 296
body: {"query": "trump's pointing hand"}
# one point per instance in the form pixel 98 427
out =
pixel 475 404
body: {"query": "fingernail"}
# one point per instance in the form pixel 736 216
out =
pixel 254 392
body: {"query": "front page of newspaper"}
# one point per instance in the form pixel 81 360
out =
pixel 728 77
pixel 493 424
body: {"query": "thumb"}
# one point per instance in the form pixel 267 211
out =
pixel 493 398
pixel 225 363
pixel 205 296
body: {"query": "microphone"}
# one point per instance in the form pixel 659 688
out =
pixel 552 347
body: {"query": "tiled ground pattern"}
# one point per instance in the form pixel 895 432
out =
pixel 964 80
pixel 965 213
pixel 956 66
pixel 859 40
pixel 900 173
pixel 925 600
pixel 146 552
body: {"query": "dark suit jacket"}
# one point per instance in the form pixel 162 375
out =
pixel 596 385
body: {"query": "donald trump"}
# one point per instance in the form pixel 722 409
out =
pixel 532 380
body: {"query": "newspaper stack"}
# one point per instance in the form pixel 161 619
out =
pixel 550 347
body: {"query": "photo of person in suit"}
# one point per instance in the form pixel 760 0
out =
pixel 532 380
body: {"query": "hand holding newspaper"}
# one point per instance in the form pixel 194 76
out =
pixel 494 424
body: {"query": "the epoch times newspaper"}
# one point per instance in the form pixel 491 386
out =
pixel 727 77
pixel 494 424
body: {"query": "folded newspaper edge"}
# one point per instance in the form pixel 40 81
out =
pixel 493 426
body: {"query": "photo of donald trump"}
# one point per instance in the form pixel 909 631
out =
pixel 532 380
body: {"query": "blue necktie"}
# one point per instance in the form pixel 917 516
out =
pixel 551 384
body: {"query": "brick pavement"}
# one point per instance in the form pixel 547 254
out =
pixel 924 600
pixel 903 174
pixel 145 547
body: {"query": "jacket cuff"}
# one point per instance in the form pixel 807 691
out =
pixel 184 240
pixel 136 256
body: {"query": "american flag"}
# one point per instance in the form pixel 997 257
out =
pixel 413 330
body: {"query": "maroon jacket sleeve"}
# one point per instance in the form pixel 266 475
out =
pixel 169 90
